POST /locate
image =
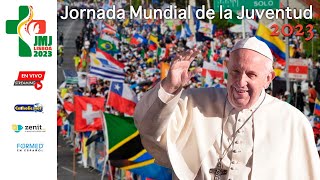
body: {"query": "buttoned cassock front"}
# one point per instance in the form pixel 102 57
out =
pixel 184 132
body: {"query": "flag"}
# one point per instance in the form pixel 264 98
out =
pixel 108 60
pixel 210 55
pixel 103 65
pixel 108 44
pixel 317 108
pixel 107 73
pixel 208 79
pixel 207 29
pixel 126 22
pixel 88 113
pixel 153 42
pixel 214 69
pixel 276 45
pixel 164 68
pixel 122 98
pixel 68 106
pixel 123 136
pixel 183 30
pixel 137 39
pixel 126 150
pixel 201 37
pixel 194 10
pixel 161 52
pixel 143 165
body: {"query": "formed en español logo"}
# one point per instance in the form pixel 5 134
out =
pixel 37 107
pixel 30 147
pixel 31 34
pixel 30 78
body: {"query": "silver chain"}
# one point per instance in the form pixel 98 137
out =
pixel 238 130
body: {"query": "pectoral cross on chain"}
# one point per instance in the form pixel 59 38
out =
pixel 218 170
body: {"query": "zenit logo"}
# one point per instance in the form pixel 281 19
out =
pixel 30 147
pixel 17 128
pixel 30 78
pixel 27 30
pixel 29 107
pixel 27 128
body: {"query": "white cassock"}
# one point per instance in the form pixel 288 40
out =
pixel 184 132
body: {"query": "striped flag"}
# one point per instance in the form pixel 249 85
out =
pixel 276 45
pixel 108 60
pixel 107 67
pixel 317 108
pixel 153 42
pixel 110 74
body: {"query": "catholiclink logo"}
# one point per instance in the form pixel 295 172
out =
pixel 29 107
pixel 28 30
pixel 30 147
pixel 27 128
pixel 30 78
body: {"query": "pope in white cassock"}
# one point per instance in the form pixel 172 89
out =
pixel 237 133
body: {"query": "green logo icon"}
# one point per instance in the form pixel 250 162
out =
pixel 27 28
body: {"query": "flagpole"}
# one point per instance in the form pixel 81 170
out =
pixel 74 159
pixel 110 171
pixel 106 142
pixel 243 29
pixel 192 20
pixel 287 53
pixel 109 93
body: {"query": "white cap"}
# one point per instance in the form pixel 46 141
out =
pixel 254 44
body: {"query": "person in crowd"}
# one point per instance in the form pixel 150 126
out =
pixel 60 55
pixel 78 44
pixel 61 38
pixel 77 60
pixel 298 100
pixel 312 95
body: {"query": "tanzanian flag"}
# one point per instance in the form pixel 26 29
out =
pixel 126 150
pixel 123 136
pixel 108 44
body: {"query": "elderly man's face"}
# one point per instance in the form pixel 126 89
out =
pixel 247 76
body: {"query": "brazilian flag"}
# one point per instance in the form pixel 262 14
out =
pixel 108 44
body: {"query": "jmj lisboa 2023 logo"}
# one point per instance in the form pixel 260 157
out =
pixel 31 34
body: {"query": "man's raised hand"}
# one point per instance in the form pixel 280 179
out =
pixel 178 75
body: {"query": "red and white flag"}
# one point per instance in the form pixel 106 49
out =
pixel 214 69
pixel 88 113
pixel 122 98
pixel 68 106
